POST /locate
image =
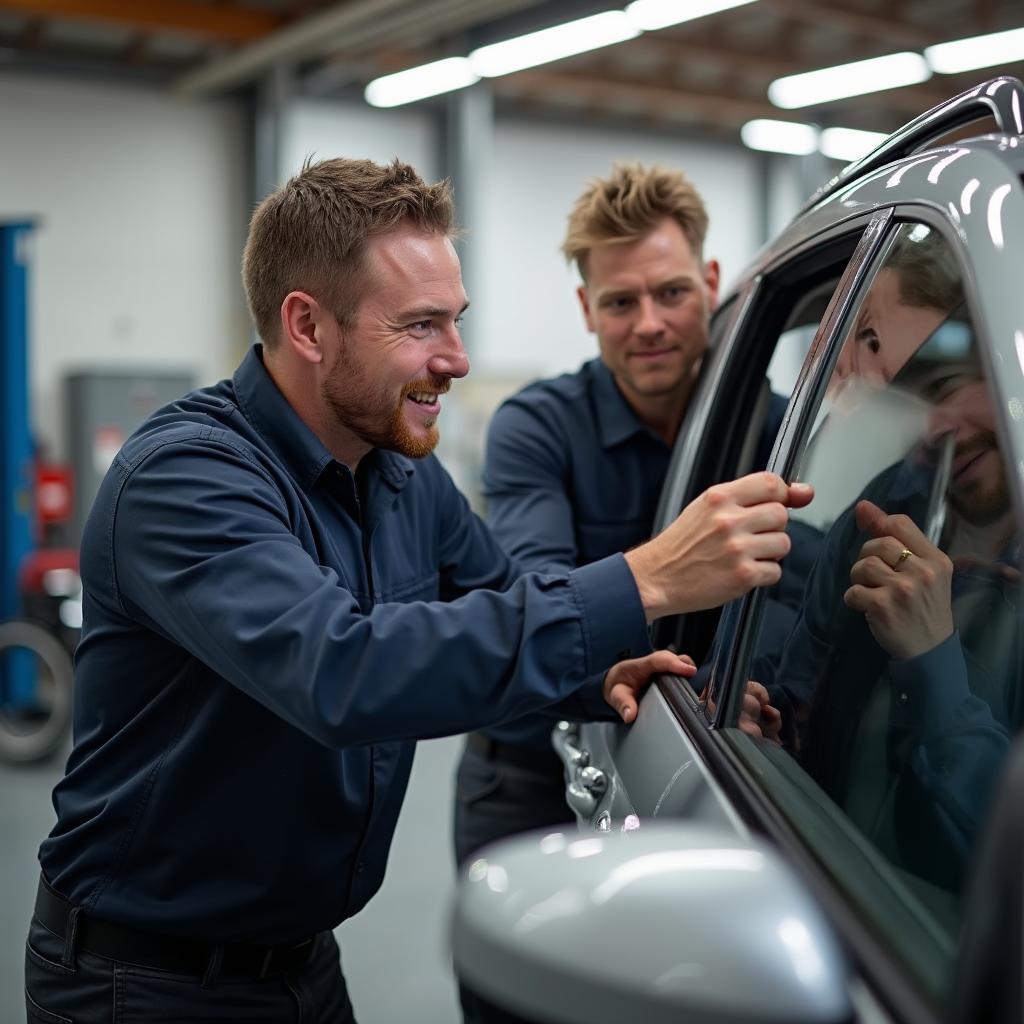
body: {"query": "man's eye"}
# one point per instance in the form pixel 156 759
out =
pixel 459 319
pixel 422 325
pixel 675 292
pixel 944 386
pixel 620 302
pixel 869 339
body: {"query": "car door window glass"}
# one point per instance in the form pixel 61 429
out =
pixel 896 668
pixel 775 330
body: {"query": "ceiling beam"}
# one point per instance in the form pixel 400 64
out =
pixel 659 100
pixel 354 28
pixel 674 49
pixel 234 24
pixel 895 34
pixel 32 34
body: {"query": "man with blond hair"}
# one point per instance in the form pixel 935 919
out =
pixel 574 466
pixel 283 590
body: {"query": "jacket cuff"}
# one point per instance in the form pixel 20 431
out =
pixel 612 616
pixel 928 690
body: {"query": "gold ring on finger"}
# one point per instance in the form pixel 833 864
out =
pixel 904 555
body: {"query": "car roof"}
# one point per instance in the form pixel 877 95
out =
pixel 903 169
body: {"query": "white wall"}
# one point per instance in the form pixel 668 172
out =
pixel 142 200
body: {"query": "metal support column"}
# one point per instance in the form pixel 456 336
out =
pixel 468 148
pixel 270 107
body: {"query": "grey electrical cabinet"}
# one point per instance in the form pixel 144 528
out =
pixel 103 409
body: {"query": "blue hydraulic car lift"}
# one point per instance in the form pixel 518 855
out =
pixel 17 678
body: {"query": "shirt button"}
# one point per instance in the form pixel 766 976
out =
pixel 904 698
pixel 360 868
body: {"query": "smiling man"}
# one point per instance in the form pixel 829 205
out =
pixel 278 600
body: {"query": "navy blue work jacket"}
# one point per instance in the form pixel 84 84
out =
pixel 263 640
pixel 571 476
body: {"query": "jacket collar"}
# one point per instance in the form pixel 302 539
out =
pixel 298 447
pixel 616 421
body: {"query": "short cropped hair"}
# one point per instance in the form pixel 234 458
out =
pixel 627 204
pixel 310 234
pixel 928 271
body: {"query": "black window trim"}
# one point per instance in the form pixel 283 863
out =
pixel 803 406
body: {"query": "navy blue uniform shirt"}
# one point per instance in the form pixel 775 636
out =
pixel 571 476
pixel 262 642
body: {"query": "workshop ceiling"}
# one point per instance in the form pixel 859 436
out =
pixel 706 77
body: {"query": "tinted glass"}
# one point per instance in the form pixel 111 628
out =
pixel 891 652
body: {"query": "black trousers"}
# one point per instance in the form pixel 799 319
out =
pixel 494 800
pixel 89 989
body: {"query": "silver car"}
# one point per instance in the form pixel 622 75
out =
pixel 827 824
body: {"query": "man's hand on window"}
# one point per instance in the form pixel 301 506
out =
pixel 625 682
pixel 726 542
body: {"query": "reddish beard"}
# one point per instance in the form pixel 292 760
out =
pixel 403 440
pixel 365 408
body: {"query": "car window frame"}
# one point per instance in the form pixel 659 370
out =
pixel 711 426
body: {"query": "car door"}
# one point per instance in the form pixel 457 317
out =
pixel 877 781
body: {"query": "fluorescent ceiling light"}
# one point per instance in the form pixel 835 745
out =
pixel 977 52
pixel 855 79
pixel 552 44
pixel 848 143
pixel 419 83
pixel 780 136
pixel 650 15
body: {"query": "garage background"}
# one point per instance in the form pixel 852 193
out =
pixel 136 137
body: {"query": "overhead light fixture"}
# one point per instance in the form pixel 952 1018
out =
pixel 650 15
pixel 976 52
pixel 419 83
pixel 780 136
pixel 849 144
pixel 862 76
pixel 552 44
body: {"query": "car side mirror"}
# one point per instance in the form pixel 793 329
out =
pixel 670 922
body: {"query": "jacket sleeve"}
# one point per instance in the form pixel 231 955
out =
pixel 203 552
pixel 956 744
pixel 472 558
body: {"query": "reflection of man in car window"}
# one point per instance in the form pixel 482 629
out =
pixel 900 678
pixel 910 296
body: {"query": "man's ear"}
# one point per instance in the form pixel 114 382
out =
pixel 584 297
pixel 711 279
pixel 301 316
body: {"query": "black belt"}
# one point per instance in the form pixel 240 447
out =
pixel 546 762
pixel 228 960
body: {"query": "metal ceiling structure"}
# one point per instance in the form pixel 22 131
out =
pixel 706 76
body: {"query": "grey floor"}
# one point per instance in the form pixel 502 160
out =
pixel 394 952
